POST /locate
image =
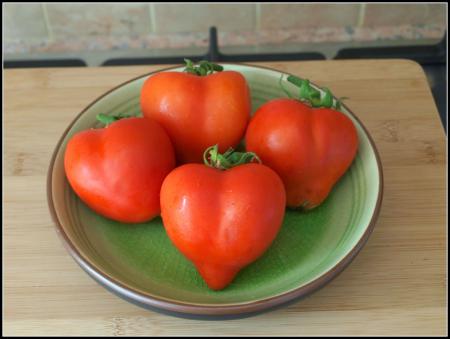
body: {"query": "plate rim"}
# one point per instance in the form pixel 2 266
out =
pixel 186 308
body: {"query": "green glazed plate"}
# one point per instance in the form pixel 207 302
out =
pixel 140 264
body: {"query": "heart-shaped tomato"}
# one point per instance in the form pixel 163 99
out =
pixel 118 170
pixel 222 220
pixel 310 148
pixel 198 111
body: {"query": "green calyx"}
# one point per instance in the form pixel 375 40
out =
pixel 310 95
pixel 109 119
pixel 227 160
pixel 203 68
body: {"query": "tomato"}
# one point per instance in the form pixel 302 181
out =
pixel 310 148
pixel 198 111
pixel 222 220
pixel 118 170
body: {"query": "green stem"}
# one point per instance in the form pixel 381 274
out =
pixel 203 68
pixel 227 160
pixel 310 95
pixel 109 119
pixel 280 82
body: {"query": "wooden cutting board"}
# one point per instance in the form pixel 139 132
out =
pixel 395 286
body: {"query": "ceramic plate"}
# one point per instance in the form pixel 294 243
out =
pixel 139 263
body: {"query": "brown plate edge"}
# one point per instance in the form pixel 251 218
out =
pixel 186 308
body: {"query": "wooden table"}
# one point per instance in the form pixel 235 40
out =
pixel 396 285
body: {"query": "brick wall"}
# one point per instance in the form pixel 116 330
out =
pixel 35 27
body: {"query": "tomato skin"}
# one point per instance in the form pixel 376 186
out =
pixel 222 220
pixel 198 111
pixel 118 170
pixel 309 148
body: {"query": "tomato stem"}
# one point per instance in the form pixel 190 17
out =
pixel 109 119
pixel 310 95
pixel 280 82
pixel 203 68
pixel 227 160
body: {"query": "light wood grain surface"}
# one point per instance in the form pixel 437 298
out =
pixel 396 285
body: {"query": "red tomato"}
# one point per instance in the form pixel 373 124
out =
pixel 198 111
pixel 118 170
pixel 310 148
pixel 222 220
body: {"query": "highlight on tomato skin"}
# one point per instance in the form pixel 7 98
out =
pixel 222 215
pixel 118 170
pixel 202 106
